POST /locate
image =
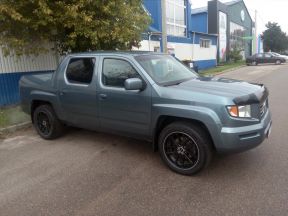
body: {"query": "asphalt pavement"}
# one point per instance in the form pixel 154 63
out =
pixel 89 173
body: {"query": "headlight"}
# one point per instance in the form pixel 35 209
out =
pixel 240 111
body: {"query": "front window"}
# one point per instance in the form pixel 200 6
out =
pixel 116 71
pixel 275 54
pixel 176 17
pixel 165 69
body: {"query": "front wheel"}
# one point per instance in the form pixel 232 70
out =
pixel 185 148
pixel 46 122
pixel 278 62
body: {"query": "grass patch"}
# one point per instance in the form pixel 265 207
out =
pixel 11 116
pixel 222 68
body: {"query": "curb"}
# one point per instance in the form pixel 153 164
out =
pixel 14 128
pixel 229 70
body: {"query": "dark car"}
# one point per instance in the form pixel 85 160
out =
pixel 265 58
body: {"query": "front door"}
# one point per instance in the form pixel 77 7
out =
pixel 268 58
pixel 120 110
pixel 77 93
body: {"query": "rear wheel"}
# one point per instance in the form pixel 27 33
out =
pixel 254 63
pixel 46 122
pixel 185 148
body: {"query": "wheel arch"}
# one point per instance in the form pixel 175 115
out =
pixel 36 103
pixel 165 120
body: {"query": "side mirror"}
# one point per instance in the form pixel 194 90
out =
pixel 133 84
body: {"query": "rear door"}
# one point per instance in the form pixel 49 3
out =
pixel 260 58
pixel 120 110
pixel 269 58
pixel 77 92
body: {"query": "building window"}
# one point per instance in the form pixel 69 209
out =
pixel 237 33
pixel 205 43
pixel 176 17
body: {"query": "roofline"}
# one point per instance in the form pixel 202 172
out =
pixel 236 2
pixel 203 33
pixel 245 7
pixel 199 12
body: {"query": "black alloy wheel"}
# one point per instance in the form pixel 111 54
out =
pixel 43 123
pixel 46 122
pixel 181 150
pixel 185 148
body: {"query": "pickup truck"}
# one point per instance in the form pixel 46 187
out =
pixel 153 97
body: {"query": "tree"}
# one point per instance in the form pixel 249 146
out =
pixel 274 38
pixel 235 54
pixel 71 25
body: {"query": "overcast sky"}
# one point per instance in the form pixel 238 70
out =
pixel 268 10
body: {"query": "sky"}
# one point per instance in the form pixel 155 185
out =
pixel 268 10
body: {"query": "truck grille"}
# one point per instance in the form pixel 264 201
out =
pixel 263 108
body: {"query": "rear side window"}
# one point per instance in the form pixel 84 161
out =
pixel 80 70
pixel 259 55
pixel 267 55
pixel 116 71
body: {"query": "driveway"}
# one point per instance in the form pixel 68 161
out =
pixel 88 173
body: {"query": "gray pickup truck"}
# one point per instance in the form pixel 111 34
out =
pixel 153 97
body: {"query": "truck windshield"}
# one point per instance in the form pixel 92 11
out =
pixel 165 69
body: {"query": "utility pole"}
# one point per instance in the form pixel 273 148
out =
pixel 256 36
pixel 164 26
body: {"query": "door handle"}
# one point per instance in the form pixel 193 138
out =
pixel 103 96
pixel 61 93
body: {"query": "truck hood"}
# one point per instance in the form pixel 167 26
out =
pixel 241 92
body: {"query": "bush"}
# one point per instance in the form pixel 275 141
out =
pixel 235 55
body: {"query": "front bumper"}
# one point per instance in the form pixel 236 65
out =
pixel 240 139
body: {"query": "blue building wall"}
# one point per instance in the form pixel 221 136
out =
pixel 154 8
pixel 205 64
pixel 9 86
pixel 199 22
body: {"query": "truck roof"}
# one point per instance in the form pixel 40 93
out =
pixel 127 53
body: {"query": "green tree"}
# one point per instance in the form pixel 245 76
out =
pixel 274 38
pixel 71 25
pixel 235 54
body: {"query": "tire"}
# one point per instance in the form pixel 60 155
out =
pixel 185 148
pixel 46 122
pixel 254 63
pixel 278 62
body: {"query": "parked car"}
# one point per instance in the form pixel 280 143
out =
pixel 264 58
pixel 152 97
pixel 279 55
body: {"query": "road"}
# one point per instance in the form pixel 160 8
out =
pixel 88 173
